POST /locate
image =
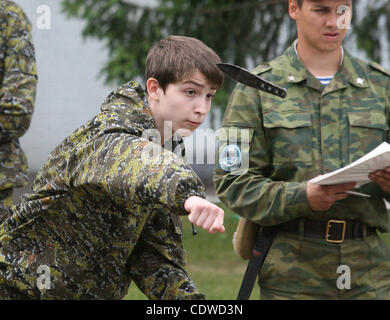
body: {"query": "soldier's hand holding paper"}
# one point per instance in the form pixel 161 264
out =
pixel 382 178
pixel 322 197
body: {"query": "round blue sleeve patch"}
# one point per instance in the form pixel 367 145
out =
pixel 230 157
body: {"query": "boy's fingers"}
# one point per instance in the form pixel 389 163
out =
pixel 193 216
pixel 208 223
pixel 218 224
pixel 202 218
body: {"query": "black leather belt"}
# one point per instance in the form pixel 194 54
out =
pixel 334 231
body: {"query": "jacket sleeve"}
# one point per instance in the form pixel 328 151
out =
pixel 158 279
pixel 249 190
pixel 134 170
pixel 156 264
pixel 386 195
pixel 19 81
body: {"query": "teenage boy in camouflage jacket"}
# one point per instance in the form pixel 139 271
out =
pixel 104 209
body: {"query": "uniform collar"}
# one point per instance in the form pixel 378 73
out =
pixel 295 71
pixel 349 73
pixel 353 72
pixel 296 51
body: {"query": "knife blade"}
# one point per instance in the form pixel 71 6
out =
pixel 244 76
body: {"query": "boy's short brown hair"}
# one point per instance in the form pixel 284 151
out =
pixel 176 57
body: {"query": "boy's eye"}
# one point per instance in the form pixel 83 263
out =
pixel 210 96
pixel 323 10
pixel 190 92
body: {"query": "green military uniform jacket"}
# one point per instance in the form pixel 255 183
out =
pixel 314 130
pixel 101 212
pixel 18 78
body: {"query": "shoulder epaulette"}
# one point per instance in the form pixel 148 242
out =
pixel 380 68
pixel 261 68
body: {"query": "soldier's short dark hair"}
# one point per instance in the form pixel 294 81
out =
pixel 175 57
pixel 299 2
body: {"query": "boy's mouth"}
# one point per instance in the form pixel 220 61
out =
pixel 332 35
pixel 193 123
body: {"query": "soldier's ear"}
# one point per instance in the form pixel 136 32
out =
pixel 153 88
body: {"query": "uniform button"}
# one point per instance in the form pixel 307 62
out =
pixel 291 78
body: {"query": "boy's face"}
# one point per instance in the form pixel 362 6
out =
pixel 322 24
pixel 184 103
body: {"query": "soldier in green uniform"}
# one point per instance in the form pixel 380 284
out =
pixel 104 209
pixel 337 109
pixel 18 79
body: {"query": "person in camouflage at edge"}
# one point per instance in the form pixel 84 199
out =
pixel 104 209
pixel 316 129
pixel 18 78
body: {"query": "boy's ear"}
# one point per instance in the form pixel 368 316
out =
pixel 153 86
pixel 292 9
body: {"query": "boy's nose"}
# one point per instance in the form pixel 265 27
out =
pixel 202 106
pixel 333 20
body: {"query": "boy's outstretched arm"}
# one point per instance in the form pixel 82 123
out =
pixel 131 176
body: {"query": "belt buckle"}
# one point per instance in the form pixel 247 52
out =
pixel 329 225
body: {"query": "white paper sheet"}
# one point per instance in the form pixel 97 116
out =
pixel 358 171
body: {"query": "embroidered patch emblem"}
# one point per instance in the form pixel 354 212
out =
pixel 230 157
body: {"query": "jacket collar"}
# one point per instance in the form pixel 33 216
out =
pixel 127 108
pixel 349 72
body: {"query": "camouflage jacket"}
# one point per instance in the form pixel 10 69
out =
pixel 102 211
pixel 18 78
pixel 314 130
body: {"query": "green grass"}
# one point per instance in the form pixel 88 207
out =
pixel 212 263
pixel 386 237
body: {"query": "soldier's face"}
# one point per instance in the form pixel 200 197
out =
pixel 185 104
pixel 322 24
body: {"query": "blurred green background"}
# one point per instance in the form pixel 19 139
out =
pixel 243 32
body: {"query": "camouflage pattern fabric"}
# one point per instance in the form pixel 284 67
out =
pixel 309 269
pixel 102 211
pixel 314 130
pixel 6 198
pixel 6 202
pixel 18 79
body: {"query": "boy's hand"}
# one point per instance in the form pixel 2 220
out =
pixel 205 214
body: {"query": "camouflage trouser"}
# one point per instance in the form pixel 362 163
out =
pixel 297 268
pixel 5 202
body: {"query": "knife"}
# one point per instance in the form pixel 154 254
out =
pixel 249 79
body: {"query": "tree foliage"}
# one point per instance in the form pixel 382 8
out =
pixel 373 29
pixel 243 32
